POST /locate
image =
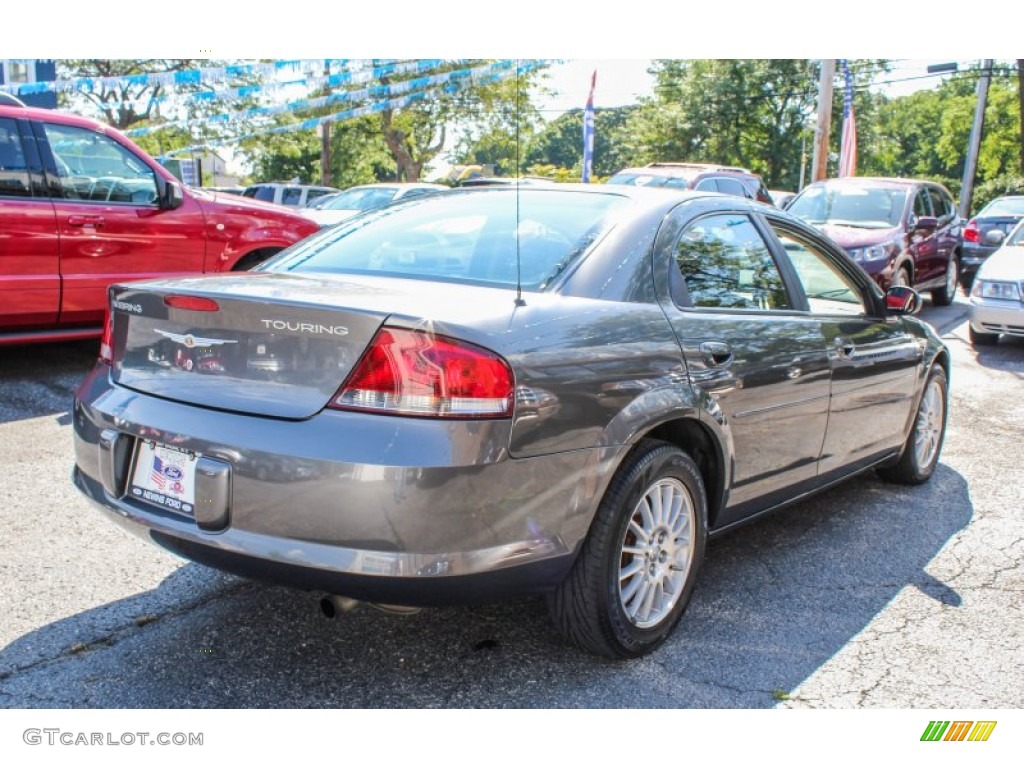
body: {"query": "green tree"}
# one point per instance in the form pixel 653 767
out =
pixel 495 123
pixel 358 154
pixel 925 134
pixel 124 104
pixel 749 112
pixel 560 142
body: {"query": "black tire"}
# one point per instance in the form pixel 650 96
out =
pixel 901 277
pixel 254 259
pixel 590 607
pixel 943 297
pixel 924 443
pixel 980 338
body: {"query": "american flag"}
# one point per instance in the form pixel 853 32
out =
pixel 156 475
pixel 848 150
pixel 588 132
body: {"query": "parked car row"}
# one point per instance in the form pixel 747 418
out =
pixel 527 387
pixel 561 389
pixel 997 291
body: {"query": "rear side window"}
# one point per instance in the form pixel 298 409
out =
pixel 726 263
pixel 266 194
pixel 95 168
pixel 13 168
pixel 291 196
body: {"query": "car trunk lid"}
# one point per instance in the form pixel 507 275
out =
pixel 271 345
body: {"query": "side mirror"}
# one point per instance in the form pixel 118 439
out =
pixel 902 300
pixel 926 223
pixel 995 236
pixel 171 196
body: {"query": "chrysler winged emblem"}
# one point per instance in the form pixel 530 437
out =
pixel 191 341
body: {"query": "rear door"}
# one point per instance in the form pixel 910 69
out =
pixel 749 345
pixel 109 224
pixel 29 269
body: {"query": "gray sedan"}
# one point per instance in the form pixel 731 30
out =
pixel 561 389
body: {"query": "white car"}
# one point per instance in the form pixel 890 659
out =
pixel 365 197
pixel 996 295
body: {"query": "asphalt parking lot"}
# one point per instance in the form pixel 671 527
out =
pixel 871 595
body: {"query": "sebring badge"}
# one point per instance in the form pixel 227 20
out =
pixel 191 341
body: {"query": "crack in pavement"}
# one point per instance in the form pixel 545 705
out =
pixel 125 631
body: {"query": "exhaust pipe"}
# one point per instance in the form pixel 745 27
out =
pixel 395 610
pixel 332 605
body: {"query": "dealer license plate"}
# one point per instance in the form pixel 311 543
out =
pixel 165 477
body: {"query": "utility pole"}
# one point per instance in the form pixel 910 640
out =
pixel 325 139
pixel 819 161
pixel 971 165
pixel 1020 94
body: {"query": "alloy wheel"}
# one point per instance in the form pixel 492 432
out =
pixel 656 553
pixel 928 429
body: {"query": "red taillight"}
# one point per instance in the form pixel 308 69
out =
pixel 195 303
pixel 971 231
pixel 107 340
pixel 414 373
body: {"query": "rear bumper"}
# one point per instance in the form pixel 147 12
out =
pixel 972 256
pixel 373 507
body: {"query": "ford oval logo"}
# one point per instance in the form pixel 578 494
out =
pixel 173 472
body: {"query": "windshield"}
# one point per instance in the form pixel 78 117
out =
pixel 1004 206
pixel 1016 236
pixel 361 199
pixel 851 206
pixel 649 180
pixel 467 237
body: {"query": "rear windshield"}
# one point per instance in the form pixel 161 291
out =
pixel 851 206
pixel 464 237
pixel 1006 206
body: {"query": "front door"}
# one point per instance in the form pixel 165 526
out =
pixel 110 226
pixel 873 360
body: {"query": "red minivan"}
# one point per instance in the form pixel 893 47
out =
pixel 82 207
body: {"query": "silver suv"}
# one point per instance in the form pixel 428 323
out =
pixel 293 195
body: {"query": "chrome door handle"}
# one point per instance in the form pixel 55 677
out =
pixel 86 221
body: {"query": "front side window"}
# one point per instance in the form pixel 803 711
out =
pixel 828 290
pixel 922 207
pixel 291 196
pixel 940 203
pixel 725 263
pixel 94 167
pixel 13 168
